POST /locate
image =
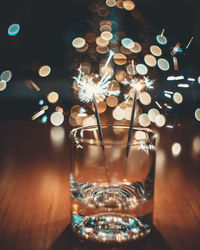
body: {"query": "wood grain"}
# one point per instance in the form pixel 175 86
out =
pixel 35 201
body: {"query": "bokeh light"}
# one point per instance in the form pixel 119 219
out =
pixel 101 42
pixel 6 75
pixel 3 85
pixel 101 107
pixel 197 114
pixel 44 71
pixel 143 120
pixel 163 64
pixel 150 60
pixel 112 101
pixel 110 3
pixel 160 120
pixel 57 135
pixel 145 98
pixel 196 146
pixel 107 35
pixel 118 113
pixel 120 59
pixel 127 43
pixel 13 29
pixel 44 119
pixel 128 5
pixel 52 97
pixel 102 49
pixel 128 112
pixel 41 102
pixel 140 135
pixel 141 69
pixel 176 149
pixel 155 50
pixel 56 118
pixel 177 97
pixel 161 39
pixel 152 113
pixel 137 48
pixel 89 121
pixel 78 42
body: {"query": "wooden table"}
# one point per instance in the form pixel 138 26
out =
pixel 35 200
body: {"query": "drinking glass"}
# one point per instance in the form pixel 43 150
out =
pixel 112 190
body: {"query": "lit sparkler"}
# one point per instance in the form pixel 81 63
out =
pixel 138 85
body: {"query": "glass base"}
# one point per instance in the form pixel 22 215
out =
pixel 111 227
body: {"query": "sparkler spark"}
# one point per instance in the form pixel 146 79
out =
pixel 89 86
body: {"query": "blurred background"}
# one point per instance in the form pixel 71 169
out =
pixel 45 33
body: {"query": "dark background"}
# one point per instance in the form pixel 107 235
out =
pixel 47 29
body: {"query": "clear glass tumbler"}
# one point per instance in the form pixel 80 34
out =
pixel 112 192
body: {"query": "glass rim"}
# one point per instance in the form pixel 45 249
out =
pixel 150 132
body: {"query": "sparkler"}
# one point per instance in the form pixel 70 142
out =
pixel 138 85
pixel 89 90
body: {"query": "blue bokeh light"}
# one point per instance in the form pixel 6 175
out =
pixel 44 119
pixel 41 102
pixel 13 29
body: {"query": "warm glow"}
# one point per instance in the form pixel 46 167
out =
pixel 57 118
pixel 141 69
pixel 127 43
pixel 118 113
pixel 128 5
pixel 78 42
pixel 163 64
pixel 176 149
pixel 111 101
pixel 53 97
pixel 137 48
pixel 44 71
pixel 155 50
pixel 150 60
pixel 177 97
pixel 152 113
pixel 3 85
pixel 160 120
pixel 101 42
pixel 120 59
pixel 111 3
pixel 107 35
pixel 197 114
pixel 145 98
pixel 57 135
pixel 144 120
pixel 6 75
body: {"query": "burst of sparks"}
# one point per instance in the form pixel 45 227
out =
pixel 138 85
pixel 88 88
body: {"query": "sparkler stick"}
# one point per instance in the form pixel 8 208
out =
pixel 98 122
pixel 131 125
pixel 100 135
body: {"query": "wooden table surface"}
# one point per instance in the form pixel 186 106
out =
pixel 35 200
